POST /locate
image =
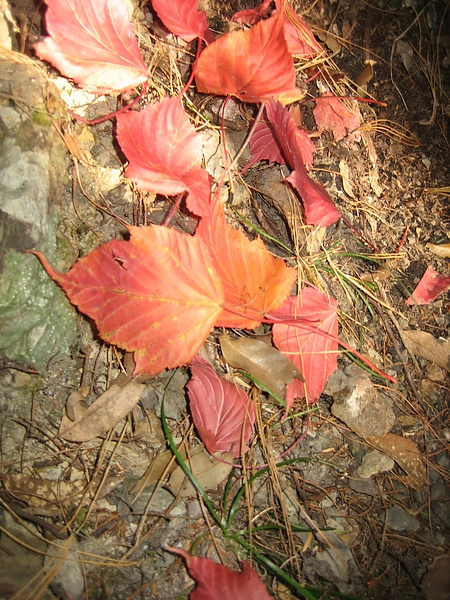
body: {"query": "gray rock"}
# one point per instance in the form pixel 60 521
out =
pixel 363 486
pixel 363 408
pixel 400 520
pixel 374 462
pixel 36 320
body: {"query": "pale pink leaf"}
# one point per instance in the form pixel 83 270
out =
pixel 182 18
pixel 332 115
pixel 222 412
pixel 93 43
pixel 308 337
pixel 218 582
pixel 165 153
pixel 429 287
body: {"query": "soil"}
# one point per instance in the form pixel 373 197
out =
pixel 365 537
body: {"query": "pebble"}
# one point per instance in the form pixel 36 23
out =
pixel 374 462
pixel 399 519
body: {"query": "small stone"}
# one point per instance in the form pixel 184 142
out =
pixel 374 462
pixel 363 408
pixel 363 486
pixel 400 520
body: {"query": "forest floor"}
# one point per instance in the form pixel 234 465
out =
pixel 331 522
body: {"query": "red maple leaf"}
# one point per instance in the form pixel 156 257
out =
pixel 156 295
pixel 333 116
pixel 93 43
pixel 251 16
pixel 319 208
pixel 254 280
pixel 298 151
pixel 216 581
pixel 253 65
pixel 299 37
pixel 182 18
pixel 222 412
pixel 307 317
pixel 429 287
pixel 165 153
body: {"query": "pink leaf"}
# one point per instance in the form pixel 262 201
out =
pixel 318 206
pixel 182 18
pixel 294 142
pixel 216 581
pixel 251 16
pixel 93 43
pixel 333 116
pixel 165 153
pixel 298 151
pixel 299 37
pixel 429 287
pixel 313 353
pixel 223 414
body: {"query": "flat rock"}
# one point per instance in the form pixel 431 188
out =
pixel 374 462
pixel 399 519
pixel 364 409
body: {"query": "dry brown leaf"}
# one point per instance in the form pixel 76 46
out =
pixel 425 345
pixel 264 363
pixel 83 423
pixel 208 471
pixel 46 497
pixel 436 583
pixel 442 250
pixel 406 454
pixel 346 182
pixel 157 467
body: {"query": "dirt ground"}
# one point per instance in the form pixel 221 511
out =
pixel 328 529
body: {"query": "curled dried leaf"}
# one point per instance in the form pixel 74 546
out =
pixel 264 363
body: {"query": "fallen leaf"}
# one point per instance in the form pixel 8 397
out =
pixel 263 362
pixel 251 16
pixel 93 43
pixel 318 207
pixel 307 335
pixel 253 65
pixel 182 18
pixel 436 583
pixel 298 150
pixel 165 153
pixel 222 412
pixel 442 250
pixel 218 581
pixel 102 415
pixel 406 454
pixel 158 466
pixel 344 172
pixel 425 345
pixel 332 115
pixel 429 288
pixel 156 295
pixel 207 470
pixel 299 37
pixel 254 280
pixel 295 144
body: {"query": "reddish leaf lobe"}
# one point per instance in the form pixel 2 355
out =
pixel 429 287
pixel 333 116
pixel 222 412
pixel 215 581
pixel 155 295
pixel 314 354
pixel 93 43
pixel 182 18
pixel 254 280
pixel 165 153
pixel 253 65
